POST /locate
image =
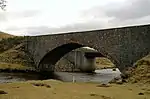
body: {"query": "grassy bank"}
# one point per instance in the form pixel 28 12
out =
pixel 7 67
pixel 51 89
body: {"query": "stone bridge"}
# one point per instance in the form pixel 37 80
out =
pixel 123 46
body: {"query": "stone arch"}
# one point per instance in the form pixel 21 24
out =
pixel 51 58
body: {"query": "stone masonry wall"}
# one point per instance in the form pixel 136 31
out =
pixel 123 46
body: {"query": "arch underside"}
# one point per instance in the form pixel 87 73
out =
pixel 50 59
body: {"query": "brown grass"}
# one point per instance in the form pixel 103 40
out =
pixel 10 66
pixel 13 56
pixel 60 90
pixel 2 92
pixel 5 35
pixel 141 72
pixel 102 62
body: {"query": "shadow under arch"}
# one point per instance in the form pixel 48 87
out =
pixel 51 58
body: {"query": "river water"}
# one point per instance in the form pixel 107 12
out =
pixel 103 76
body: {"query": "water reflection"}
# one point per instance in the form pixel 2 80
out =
pixel 103 76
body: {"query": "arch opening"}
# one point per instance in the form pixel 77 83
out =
pixel 52 57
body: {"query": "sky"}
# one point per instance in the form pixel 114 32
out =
pixel 40 17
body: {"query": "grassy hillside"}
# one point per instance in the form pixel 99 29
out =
pixel 5 35
pixel 12 53
pixel 8 43
pixel 141 71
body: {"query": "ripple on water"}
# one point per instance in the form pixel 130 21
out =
pixel 103 76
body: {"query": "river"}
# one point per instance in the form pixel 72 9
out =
pixel 104 76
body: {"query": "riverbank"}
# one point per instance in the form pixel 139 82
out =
pixel 9 67
pixel 52 89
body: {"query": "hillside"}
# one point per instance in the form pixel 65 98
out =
pixel 5 35
pixel 141 71
pixel 13 55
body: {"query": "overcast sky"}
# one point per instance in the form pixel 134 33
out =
pixel 38 17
